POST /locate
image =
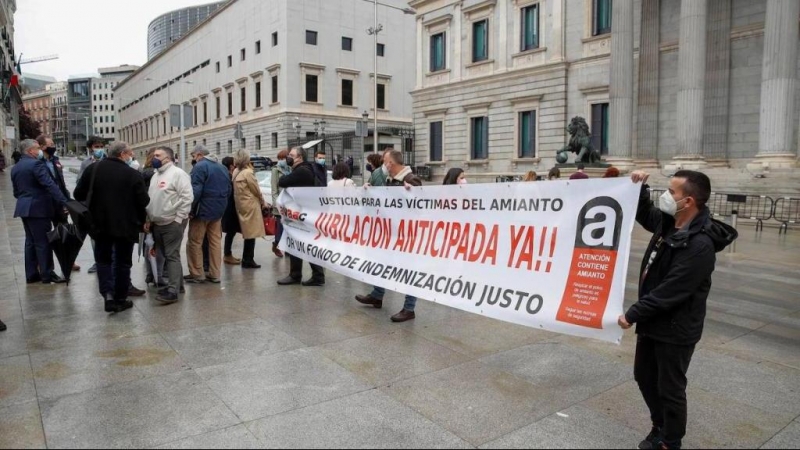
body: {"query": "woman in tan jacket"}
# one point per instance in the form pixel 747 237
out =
pixel 249 206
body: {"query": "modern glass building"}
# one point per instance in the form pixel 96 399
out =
pixel 168 28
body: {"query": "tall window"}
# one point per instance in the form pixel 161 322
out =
pixel 243 54
pixel 381 50
pixel 480 40
pixel 347 44
pixel 243 98
pixel 258 142
pixel 347 92
pixel 530 27
pixel 600 127
pixel 311 37
pixel 311 88
pixel 274 39
pixel 527 134
pixel 194 118
pixel 230 61
pixel 258 94
pixel 230 103
pixel 381 100
pixel 275 89
pixel 219 150
pixel 205 112
pixel 480 137
pixel 217 66
pixel 602 17
pixel 436 141
pixel 219 108
pixel 438 52
pixel 258 47
pixel 230 147
pixel 274 140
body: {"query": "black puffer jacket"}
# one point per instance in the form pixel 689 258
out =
pixel 673 294
pixel 301 176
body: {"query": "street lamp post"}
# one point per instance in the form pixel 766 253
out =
pixel 374 31
pixel 183 152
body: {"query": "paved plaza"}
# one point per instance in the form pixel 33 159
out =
pixel 247 364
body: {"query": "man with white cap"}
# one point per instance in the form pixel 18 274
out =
pixel 211 186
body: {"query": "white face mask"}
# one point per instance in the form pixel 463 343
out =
pixel 668 205
pixel 384 170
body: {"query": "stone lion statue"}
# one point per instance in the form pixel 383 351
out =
pixel 580 143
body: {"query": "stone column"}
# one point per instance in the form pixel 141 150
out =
pixel 718 69
pixel 421 68
pixel 691 84
pixel 646 153
pixel 778 86
pixel 621 87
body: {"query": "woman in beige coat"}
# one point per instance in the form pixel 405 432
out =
pixel 249 206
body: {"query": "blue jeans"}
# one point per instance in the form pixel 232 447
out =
pixel 378 293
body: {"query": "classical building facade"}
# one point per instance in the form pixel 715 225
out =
pixel 37 104
pixel 662 83
pixel 274 67
pixel 58 115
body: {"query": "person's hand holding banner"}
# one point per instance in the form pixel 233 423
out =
pixel 623 323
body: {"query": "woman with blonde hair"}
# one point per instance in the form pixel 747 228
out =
pixel 530 176
pixel 249 206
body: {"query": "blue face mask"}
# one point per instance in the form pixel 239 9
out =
pixel 157 164
pixel 99 154
pixel 40 156
pixel 321 161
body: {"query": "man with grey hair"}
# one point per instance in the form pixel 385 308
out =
pixel 302 176
pixel 117 200
pixel 38 201
pixel 211 187
pixel 171 199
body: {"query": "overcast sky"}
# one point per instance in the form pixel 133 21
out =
pixel 86 34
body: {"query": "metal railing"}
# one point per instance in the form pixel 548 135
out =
pixel 786 211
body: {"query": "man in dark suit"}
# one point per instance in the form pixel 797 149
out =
pixel 38 199
pixel 118 213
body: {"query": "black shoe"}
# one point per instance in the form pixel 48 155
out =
pixel 369 300
pixel 134 292
pixel 652 441
pixel 55 279
pixel 288 281
pixel 313 282
pixel 250 265
pixel 166 289
pixel 117 306
pixel 3 326
pixel 403 316
pixel 149 280
pixel 167 297
pixel 36 279
pixel 192 280
pixel 93 269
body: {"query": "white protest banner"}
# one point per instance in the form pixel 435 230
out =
pixel 548 255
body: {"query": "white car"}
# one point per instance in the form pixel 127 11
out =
pixel 265 183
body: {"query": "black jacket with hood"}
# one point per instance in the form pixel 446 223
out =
pixel 673 294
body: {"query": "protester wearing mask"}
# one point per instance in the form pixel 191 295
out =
pixel 57 172
pixel 377 170
pixel 118 216
pixel 455 176
pixel 302 176
pixel 96 148
pixel 157 279
pixel 250 206
pixel 320 168
pixel 171 198
pixel 38 199
pixel 400 175
pixel 674 283
pixel 280 169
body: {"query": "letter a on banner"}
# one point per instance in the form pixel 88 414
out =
pixel 593 262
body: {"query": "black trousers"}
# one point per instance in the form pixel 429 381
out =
pixel 660 370
pixel 296 271
pixel 114 257
pixel 229 243
pixel 249 252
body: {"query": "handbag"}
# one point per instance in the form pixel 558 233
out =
pixel 79 211
pixel 270 224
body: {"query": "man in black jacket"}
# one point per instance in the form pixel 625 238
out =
pixel 302 176
pixel 118 203
pixel 674 283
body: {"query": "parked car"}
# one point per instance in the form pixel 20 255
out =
pixel 260 163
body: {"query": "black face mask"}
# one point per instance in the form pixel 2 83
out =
pixel 290 161
pixel 50 151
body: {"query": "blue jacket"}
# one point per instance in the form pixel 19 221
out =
pixel 211 184
pixel 36 192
